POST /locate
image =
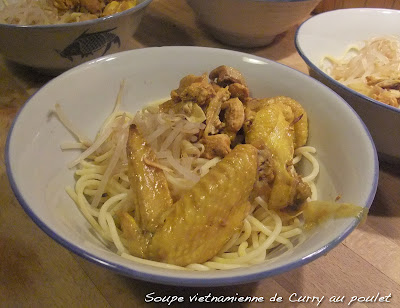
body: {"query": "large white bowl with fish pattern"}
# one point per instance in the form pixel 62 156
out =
pixel 38 173
pixel 56 48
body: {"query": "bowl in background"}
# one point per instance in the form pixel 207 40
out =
pixel 250 23
pixel 38 173
pixel 323 35
pixel 55 48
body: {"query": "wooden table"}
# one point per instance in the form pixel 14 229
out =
pixel 35 271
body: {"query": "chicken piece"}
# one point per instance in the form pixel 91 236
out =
pixel 216 146
pixel 233 117
pixel 385 90
pixel 66 4
pixel 300 119
pixel 152 197
pixel 118 6
pixel 373 80
pixel 225 75
pixel 384 83
pixel 199 93
pixel 136 240
pixel 271 129
pixel 385 97
pixel 183 84
pixel 298 115
pixel 215 86
pixel 303 192
pixel 240 91
pixel 92 6
pixel 213 209
pixel 265 173
pixel 251 108
pixel 195 89
pixel 213 123
pixel 269 126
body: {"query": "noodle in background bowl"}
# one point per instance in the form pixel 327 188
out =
pixel 53 49
pixel 323 35
pixel 38 174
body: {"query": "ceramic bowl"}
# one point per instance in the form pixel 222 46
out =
pixel 250 23
pixel 55 48
pixel 323 35
pixel 38 172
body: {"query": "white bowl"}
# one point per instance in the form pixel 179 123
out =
pixel 55 48
pixel 37 167
pixel 330 34
pixel 250 23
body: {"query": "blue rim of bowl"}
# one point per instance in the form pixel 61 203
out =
pixel 320 72
pixel 191 281
pixel 138 7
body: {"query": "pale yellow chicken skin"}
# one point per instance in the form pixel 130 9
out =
pixel 273 126
pixel 215 207
pixel 151 194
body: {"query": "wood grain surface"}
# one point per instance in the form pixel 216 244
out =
pixel 35 271
pixel 327 5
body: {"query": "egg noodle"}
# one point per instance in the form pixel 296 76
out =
pixel 102 185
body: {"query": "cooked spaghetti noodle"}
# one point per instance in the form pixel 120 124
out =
pixel 103 188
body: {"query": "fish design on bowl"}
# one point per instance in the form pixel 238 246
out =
pixel 88 43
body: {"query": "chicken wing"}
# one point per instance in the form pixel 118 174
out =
pixel 150 188
pixel 206 217
pixel 272 128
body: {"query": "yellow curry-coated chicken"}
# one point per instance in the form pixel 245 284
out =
pixel 207 216
pixel 96 7
pixel 273 127
pixel 152 197
pixel 214 208
pixel 299 120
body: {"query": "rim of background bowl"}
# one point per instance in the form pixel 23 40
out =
pixel 91 22
pixel 171 277
pixel 320 72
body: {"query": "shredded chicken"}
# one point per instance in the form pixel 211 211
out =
pixel 240 91
pixel 233 117
pixel 194 89
pixel 216 146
